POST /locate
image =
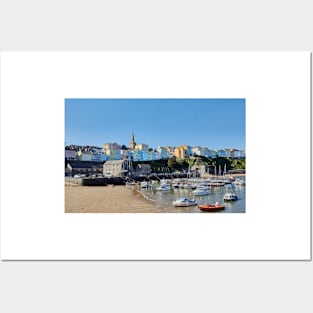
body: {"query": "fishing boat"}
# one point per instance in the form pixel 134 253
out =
pixel 230 196
pixel 211 207
pixel 185 202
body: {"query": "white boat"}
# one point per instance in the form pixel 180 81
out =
pixel 230 196
pixel 185 202
pixel 203 187
pixel 163 188
pixel 187 186
pixel 216 183
pixel 200 192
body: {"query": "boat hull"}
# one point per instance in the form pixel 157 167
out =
pixel 211 208
pixel 232 199
pixel 184 203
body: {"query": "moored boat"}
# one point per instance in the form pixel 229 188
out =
pixel 200 192
pixel 185 202
pixel 163 188
pixel 229 196
pixel 211 207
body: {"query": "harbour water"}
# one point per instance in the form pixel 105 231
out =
pixel 164 199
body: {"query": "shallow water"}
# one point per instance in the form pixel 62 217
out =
pixel 164 199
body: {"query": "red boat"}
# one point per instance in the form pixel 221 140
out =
pixel 211 207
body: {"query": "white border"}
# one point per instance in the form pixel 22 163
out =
pixel 277 91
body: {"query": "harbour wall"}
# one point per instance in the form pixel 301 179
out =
pixel 104 181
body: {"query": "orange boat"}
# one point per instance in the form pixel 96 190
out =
pixel 211 207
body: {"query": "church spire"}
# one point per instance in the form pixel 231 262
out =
pixel 132 143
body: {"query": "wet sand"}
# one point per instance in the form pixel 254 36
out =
pixel 106 199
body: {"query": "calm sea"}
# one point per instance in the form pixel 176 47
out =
pixel 164 199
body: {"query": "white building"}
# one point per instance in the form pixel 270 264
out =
pixel 115 168
pixel 196 150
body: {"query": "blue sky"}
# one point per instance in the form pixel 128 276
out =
pixel 212 123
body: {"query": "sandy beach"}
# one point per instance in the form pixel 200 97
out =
pixel 106 199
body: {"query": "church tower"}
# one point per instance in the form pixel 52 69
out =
pixel 132 143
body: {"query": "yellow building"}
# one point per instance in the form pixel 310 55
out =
pixel 179 152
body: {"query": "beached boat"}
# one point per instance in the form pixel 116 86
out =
pixel 211 207
pixel 230 196
pixel 185 202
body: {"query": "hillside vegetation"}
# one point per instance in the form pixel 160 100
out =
pixel 180 165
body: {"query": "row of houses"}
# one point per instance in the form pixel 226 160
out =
pixel 113 168
pixel 185 151
pixel 181 152
pixel 116 168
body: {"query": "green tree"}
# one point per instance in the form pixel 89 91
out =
pixel 172 163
